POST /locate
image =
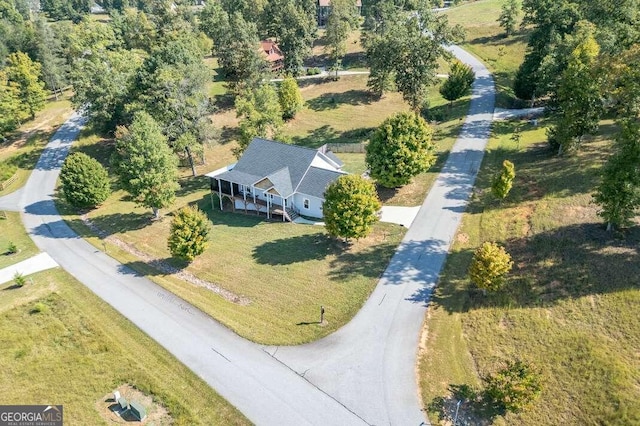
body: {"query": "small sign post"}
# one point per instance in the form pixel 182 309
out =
pixel 321 314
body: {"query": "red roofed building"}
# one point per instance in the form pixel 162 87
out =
pixel 272 54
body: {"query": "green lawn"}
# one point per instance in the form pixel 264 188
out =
pixel 571 302
pixel 13 232
pixel 63 345
pixel 486 40
pixel 23 148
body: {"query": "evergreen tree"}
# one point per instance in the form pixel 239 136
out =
pixel 351 207
pixel 144 163
pixel 509 16
pixel 459 82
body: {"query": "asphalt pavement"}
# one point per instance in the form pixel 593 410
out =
pixel 362 374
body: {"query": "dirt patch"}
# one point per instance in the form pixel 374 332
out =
pixel 164 267
pixel 463 238
pixel 110 410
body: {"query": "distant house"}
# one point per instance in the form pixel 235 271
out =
pixel 324 8
pixel 277 179
pixel 272 54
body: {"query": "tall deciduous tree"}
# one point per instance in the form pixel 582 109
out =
pixel 290 98
pixel 508 18
pixel 83 180
pixel 351 207
pixel 134 29
pixel 48 51
pixel 489 265
pixel 25 74
pixel 190 230
pixel 400 149
pixel 618 194
pixel 103 82
pixel 459 82
pixel 577 98
pixel 343 18
pixel 238 50
pixel 293 24
pixel 10 112
pixel 260 115
pixel 144 163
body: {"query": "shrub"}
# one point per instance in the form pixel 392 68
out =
pixel 490 264
pixel 503 182
pixel 84 182
pixel 290 98
pixel 19 279
pixel 190 229
pixel 12 248
pixel 7 169
pixel 38 308
pixel 514 387
pixel 313 71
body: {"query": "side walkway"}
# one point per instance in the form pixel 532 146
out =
pixel 37 263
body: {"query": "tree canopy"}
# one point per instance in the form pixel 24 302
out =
pixel 459 82
pixel 400 149
pixel 489 265
pixel 189 235
pixel 84 181
pixel 260 115
pixel 144 163
pixel 351 207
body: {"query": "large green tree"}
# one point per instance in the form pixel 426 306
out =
pixel 134 29
pixel 103 83
pixel 146 167
pixel 490 263
pixel 351 207
pixel 577 101
pixel 11 113
pixel 400 149
pixel 84 181
pixel 293 24
pixel 25 74
pixel 189 236
pixel 260 115
pixel 618 194
pixel 343 18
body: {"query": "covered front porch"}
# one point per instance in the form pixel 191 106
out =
pixel 261 198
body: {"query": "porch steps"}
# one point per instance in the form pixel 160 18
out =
pixel 292 214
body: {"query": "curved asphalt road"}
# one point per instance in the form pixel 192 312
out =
pixel 362 374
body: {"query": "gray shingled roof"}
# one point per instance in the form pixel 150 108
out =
pixel 316 181
pixel 288 167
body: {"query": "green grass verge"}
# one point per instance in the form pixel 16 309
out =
pixel 485 39
pixel 13 232
pixel 63 345
pixel 571 303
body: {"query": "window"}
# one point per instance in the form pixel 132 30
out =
pixel 305 203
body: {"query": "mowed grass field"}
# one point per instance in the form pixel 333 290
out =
pixel 485 39
pixel 571 303
pixel 62 345
pixel 286 271
pixel 13 232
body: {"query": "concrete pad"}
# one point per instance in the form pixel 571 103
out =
pixel 302 221
pixel 507 114
pixel 400 215
pixel 37 263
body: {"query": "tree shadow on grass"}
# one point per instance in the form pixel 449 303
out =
pixel 328 101
pixel 565 263
pixel 327 134
pixel 287 251
pixel 464 404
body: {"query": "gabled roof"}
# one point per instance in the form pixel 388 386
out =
pixel 271 50
pixel 285 168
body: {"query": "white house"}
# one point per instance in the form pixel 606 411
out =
pixel 278 179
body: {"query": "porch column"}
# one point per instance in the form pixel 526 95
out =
pixel 268 208
pixel 233 200
pixel 244 197
pixel 284 208
pixel 219 192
